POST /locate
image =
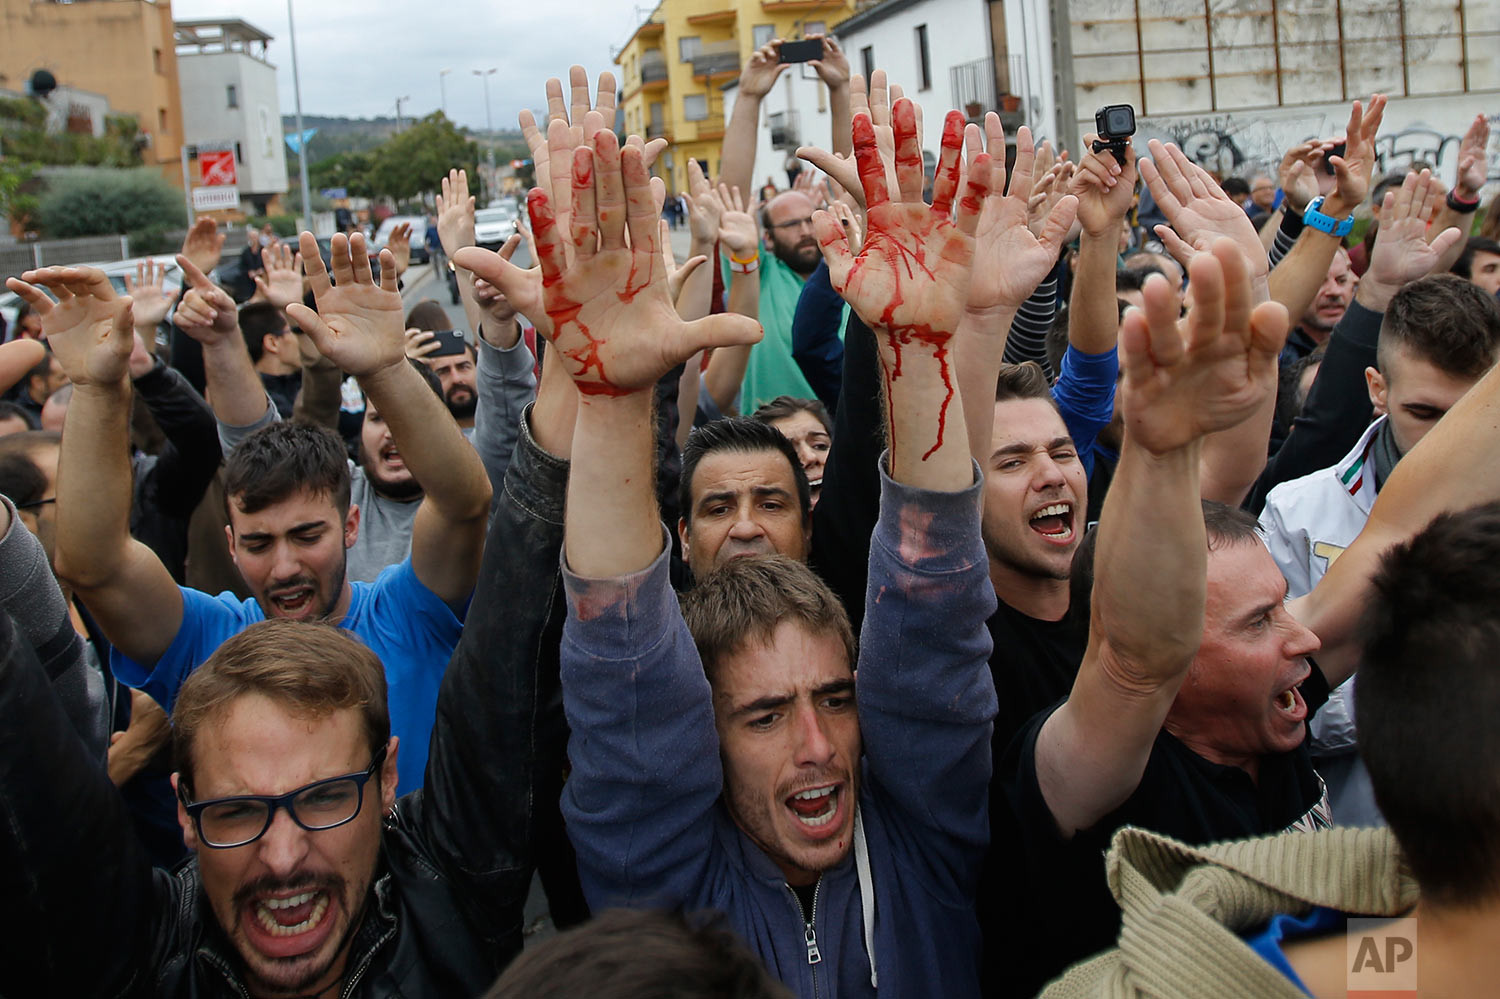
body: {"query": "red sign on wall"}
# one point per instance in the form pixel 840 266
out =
pixel 217 168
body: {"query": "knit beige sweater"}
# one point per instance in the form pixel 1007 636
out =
pixel 1183 909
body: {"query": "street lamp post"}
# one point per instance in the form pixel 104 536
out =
pixel 489 128
pixel 443 89
pixel 301 133
pixel 399 102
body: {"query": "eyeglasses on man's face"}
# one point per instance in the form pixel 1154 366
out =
pixel 34 504
pixel 224 823
pixel 793 223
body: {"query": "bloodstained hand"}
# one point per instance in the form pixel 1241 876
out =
pixel 614 325
pixel 911 278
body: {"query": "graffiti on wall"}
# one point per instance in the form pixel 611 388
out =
pixel 1247 145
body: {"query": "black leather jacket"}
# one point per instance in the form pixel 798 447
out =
pixel 84 913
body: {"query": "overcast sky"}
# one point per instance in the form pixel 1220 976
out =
pixel 357 58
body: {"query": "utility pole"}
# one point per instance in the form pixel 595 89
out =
pixel 443 89
pixel 301 132
pixel 399 102
pixel 1064 93
pixel 489 128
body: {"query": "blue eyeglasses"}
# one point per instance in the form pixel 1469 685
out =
pixel 225 823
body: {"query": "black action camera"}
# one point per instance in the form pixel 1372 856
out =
pixel 1115 124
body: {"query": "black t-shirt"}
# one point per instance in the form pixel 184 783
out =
pixel 1034 665
pixel 1059 907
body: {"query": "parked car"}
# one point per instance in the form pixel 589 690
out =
pixel 493 226
pixel 418 236
pixel 10 302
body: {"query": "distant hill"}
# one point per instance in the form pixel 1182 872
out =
pixel 356 135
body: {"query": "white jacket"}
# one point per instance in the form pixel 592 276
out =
pixel 1308 522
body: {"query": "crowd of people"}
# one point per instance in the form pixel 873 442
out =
pixel 946 581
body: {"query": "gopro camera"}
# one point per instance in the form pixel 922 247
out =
pixel 1115 124
pixel 802 51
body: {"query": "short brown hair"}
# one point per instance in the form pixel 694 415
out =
pixel 310 669
pixel 1445 321
pixel 785 406
pixel 744 600
pixel 624 954
pixel 1026 380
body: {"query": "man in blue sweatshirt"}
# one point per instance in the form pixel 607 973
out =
pixel 719 758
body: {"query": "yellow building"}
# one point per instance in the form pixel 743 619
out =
pixel 675 65
pixel 123 49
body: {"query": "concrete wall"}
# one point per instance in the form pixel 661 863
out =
pixel 255 124
pixel 122 49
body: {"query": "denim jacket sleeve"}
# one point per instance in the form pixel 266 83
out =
pixel 645 752
pixel 82 914
pixel 489 751
pixel 926 695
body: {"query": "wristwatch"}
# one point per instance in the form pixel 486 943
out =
pixel 1326 223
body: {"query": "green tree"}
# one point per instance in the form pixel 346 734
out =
pixel 23 135
pixel 348 170
pixel 83 201
pixel 17 203
pixel 416 160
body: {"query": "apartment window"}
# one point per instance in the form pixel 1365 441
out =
pixel 161 120
pixel 763 33
pixel 924 60
pixel 695 107
pixel 867 60
pixel 689 47
pixel 156 59
pixel 232 96
pixel 810 28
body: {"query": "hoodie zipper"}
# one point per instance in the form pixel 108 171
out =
pixel 810 930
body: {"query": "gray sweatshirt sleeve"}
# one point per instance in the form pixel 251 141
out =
pixel 230 436
pixel 30 594
pixel 507 384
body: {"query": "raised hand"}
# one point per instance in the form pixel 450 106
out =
pixel 358 323
pixel 204 244
pixel 90 330
pixel 614 326
pixel 1009 260
pixel 1197 209
pixel 399 244
pixel 1402 254
pixel 874 103
pixel 207 313
pixel 519 288
pixel 704 208
pixel 1352 170
pixel 1471 160
pixel 762 70
pixel 455 213
pixel 833 68
pixel 281 279
pixel 420 343
pixel 1298 175
pixel 1105 189
pixel 152 300
pixel 737 230
pixel 1207 372
pixel 1047 190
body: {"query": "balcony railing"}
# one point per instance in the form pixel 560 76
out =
pixel 717 59
pixel 974 87
pixel 656 130
pixel 786 129
pixel 653 67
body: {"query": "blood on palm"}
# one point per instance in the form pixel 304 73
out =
pixel 562 310
pixel 898 257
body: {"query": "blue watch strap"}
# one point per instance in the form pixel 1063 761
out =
pixel 1326 223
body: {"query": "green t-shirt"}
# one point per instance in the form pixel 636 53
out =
pixel 772 370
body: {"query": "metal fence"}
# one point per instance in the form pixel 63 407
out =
pixel 18 257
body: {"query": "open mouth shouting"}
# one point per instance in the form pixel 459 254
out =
pixel 1054 522
pixel 296 599
pixel 817 812
pixel 1289 702
pixel 391 458
pixel 288 924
